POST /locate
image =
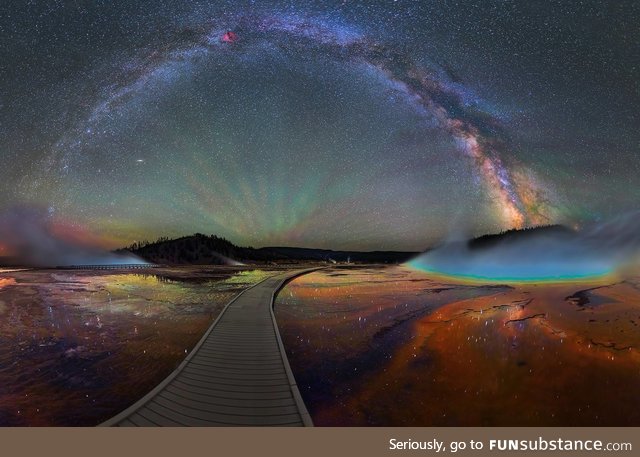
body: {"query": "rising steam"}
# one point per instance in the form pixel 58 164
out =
pixel 28 235
pixel 555 253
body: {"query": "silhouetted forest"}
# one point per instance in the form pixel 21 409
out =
pixel 202 249
pixel 508 236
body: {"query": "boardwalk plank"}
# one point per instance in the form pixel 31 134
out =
pixel 140 421
pixel 128 423
pixel 246 368
pixel 231 394
pixel 220 418
pixel 160 419
pixel 233 410
pixel 240 356
pixel 235 363
pixel 222 398
pixel 278 373
pixel 223 380
pixel 234 387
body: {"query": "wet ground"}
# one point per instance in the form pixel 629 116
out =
pixel 398 347
pixel 77 347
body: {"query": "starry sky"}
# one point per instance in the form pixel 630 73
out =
pixel 331 124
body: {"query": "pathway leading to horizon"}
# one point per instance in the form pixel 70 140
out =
pixel 237 375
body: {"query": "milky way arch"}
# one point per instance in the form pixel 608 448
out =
pixel 517 194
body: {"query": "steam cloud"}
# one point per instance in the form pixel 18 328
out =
pixel 28 235
pixel 546 254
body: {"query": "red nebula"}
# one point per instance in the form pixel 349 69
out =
pixel 229 37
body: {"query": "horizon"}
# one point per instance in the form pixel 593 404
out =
pixel 162 239
pixel 16 261
pixel 429 246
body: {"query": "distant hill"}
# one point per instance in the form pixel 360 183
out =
pixel 519 235
pixel 201 249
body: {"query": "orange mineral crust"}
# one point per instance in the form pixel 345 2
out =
pixel 432 353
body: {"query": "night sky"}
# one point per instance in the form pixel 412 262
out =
pixel 333 124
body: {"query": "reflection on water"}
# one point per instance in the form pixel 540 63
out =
pixel 77 347
pixel 399 347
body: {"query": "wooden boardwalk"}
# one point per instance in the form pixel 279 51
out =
pixel 237 375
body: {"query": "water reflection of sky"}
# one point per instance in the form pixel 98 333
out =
pixel 401 347
pixel 76 348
